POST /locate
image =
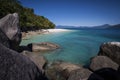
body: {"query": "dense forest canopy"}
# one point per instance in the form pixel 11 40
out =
pixel 28 20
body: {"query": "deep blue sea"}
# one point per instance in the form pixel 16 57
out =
pixel 77 46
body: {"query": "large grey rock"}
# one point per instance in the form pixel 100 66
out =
pixel 15 66
pixel 100 62
pixel 83 74
pixel 9 25
pixel 60 70
pixel 111 50
pixel 38 59
pixel 44 46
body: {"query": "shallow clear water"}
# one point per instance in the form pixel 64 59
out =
pixel 77 46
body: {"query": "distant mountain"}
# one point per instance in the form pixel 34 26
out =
pixel 117 26
pixel 105 26
pixel 85 27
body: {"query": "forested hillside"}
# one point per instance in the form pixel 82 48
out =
pixel 28 20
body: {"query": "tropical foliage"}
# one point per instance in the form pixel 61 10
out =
pixel 28 20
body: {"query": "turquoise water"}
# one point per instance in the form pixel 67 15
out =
pixel 77 46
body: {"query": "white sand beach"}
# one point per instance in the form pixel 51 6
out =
pixel 58 30
pixel 25 35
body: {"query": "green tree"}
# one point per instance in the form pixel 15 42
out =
pixel 28 20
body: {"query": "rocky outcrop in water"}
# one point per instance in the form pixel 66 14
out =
pixel 107 65
pixel 13 65
pixel 100 68
pixel 100 62
pixel 111 50
pixel 45 46
pixel 9 25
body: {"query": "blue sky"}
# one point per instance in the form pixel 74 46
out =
pixel 77 12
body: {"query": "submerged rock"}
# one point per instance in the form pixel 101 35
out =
pixel 9 25
pixel 100 62
pixel 44 46
pixel 111 50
